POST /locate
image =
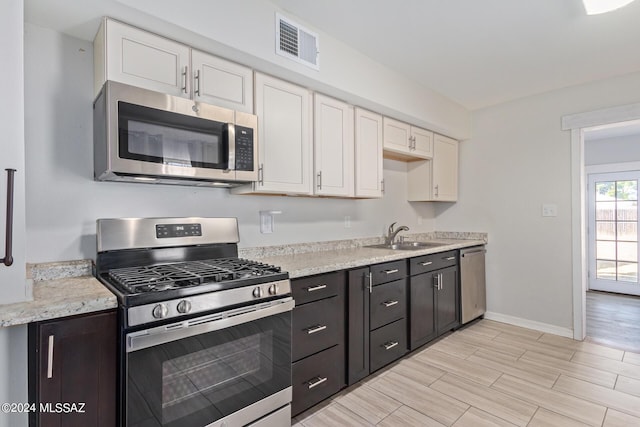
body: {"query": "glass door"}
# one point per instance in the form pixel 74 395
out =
pixel 613 232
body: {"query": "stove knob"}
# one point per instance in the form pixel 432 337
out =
pixel 273 289
pixel 160 311
pixel 184 306
pixel 257 292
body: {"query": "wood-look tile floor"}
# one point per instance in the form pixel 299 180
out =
pixel 493 374
pixel 613 320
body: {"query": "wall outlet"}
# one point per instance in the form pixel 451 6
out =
pixel 549 210
pixel 347 221
pixel 267 222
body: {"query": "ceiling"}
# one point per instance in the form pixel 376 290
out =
pixel 476 52
pixel 481 53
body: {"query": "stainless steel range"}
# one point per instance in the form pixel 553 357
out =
pixel 205 335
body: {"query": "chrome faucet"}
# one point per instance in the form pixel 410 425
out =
pixel 391 235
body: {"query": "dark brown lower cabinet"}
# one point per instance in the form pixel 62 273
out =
pixel 358 295
pixel 72 371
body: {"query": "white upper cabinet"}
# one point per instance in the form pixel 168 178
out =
pixel 284 134
pixel 221 82
pixel 132 56
pixel 333 147
pixel 368 154
pixel 445 169
pixel 436 179
pixel 405 142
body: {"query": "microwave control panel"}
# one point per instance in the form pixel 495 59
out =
pixel 244 148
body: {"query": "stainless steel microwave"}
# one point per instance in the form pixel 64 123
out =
pixel 146 136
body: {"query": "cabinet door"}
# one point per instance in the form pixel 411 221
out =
pixel 284 133
pixel 142 59
pixel 422 323
pixel 333 147
pixel 422 143
pixel 12 156
pixel 447 300
pixel 396 136
pixel 358 288
pixel 445 169
pixel 221 82
pixel 368 154
pixel 74 360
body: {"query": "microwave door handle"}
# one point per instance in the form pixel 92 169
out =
pixel 231 141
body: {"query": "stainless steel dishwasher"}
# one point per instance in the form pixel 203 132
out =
pixel 472 277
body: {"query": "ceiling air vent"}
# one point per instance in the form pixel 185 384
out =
pixel 296 42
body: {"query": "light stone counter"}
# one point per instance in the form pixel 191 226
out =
pixel 300 264
pixel 59 290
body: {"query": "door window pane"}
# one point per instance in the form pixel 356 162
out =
pixel 627 211
pixel 605 211
pixel 627 231
pixel 627 190
pixel 606 269
pixel 605 191
pixel 628 271
pixel 628 251
pixel 606 230
pixel 606 250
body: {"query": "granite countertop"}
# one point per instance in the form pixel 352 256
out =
pixel 67 288
pixel 323 261
pixel 59 289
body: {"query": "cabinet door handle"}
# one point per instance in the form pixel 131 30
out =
pixel 184 78
pixel 314 329
pixel 320 180
pixel 382 186
pixel 424 264
pixel 390 345
pixel 197 81
pixel 261 174
pixel 50 358
pixel 8 237
pixel 389 303
pixel 440 281
pixel 395 270
pixel 437 191
pixel 316 288
pixel 436 280
pixel 370 282
pixel 450 258
pixel 316 382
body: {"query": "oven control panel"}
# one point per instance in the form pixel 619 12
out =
pixel 164 231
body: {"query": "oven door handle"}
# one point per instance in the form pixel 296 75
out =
pixel 176 331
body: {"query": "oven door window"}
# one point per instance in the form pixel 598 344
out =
pixel 200 379
pixel 156 136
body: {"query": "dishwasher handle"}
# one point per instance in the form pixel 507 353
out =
pixel 470 253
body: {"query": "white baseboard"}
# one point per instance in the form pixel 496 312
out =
pixel 530 324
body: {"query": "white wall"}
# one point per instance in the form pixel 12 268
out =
pixel 517 160
pixel 612 150
pixel 63 201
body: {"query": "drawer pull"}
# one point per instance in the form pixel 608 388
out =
pixel 389 303
pixel 316 382
pixel 316 288
pixel 314 329
pixel 424 264
pixel 395 270
pixel 451 258
pixel 390 345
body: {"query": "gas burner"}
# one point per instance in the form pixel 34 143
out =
pixel 157 278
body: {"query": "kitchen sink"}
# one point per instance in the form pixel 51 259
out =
pixel 407 246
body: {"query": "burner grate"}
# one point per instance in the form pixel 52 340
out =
pixel 185 274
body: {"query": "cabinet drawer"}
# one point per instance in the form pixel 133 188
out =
pixel 316 378
pixel 317 326
pixel 388 344
pixel 314 288
pixel 432 262
pixel 388 303
pixel 389 271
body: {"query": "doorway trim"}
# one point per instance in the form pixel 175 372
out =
pixel 578 124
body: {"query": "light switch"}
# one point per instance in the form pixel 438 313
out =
pixel 549 210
